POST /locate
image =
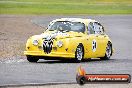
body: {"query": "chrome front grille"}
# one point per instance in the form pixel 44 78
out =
pixel 47 46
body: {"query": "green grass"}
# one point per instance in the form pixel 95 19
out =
pixel 65 6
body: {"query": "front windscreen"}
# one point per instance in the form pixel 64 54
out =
pixel 67 26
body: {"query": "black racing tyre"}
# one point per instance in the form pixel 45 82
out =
pixel 32 59
pixel 108 52
pixel 79 53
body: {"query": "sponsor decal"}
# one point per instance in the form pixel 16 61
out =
pixel 48 41
pixel 83 78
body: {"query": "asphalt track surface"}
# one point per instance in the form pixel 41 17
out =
pixel 118 27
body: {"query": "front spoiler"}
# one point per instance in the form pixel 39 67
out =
pixel 52 54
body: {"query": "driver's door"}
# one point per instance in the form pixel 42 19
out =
pixel 92 41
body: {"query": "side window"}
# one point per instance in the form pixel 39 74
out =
pixel 98 28
pixel 90 28
pixel 101 29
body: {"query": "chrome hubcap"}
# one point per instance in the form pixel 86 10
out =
pixel 79 53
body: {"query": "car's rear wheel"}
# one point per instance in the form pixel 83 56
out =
pixel 32 59
pixel 108 52
pixel 79 53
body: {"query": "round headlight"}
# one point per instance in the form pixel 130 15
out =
pixel 59 43
pixel 35 42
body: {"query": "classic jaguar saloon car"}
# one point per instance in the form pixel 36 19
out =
pixel 71 39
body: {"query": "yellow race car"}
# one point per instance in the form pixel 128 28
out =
pixel 70 38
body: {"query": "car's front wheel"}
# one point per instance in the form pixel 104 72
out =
pixel 108 52
pixel 79 53
pixel 32 59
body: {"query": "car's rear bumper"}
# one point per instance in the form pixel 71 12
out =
pixel 52 54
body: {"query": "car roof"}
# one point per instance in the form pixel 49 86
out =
pixel 85 21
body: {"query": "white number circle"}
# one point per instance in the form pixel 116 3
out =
pixel 94 45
